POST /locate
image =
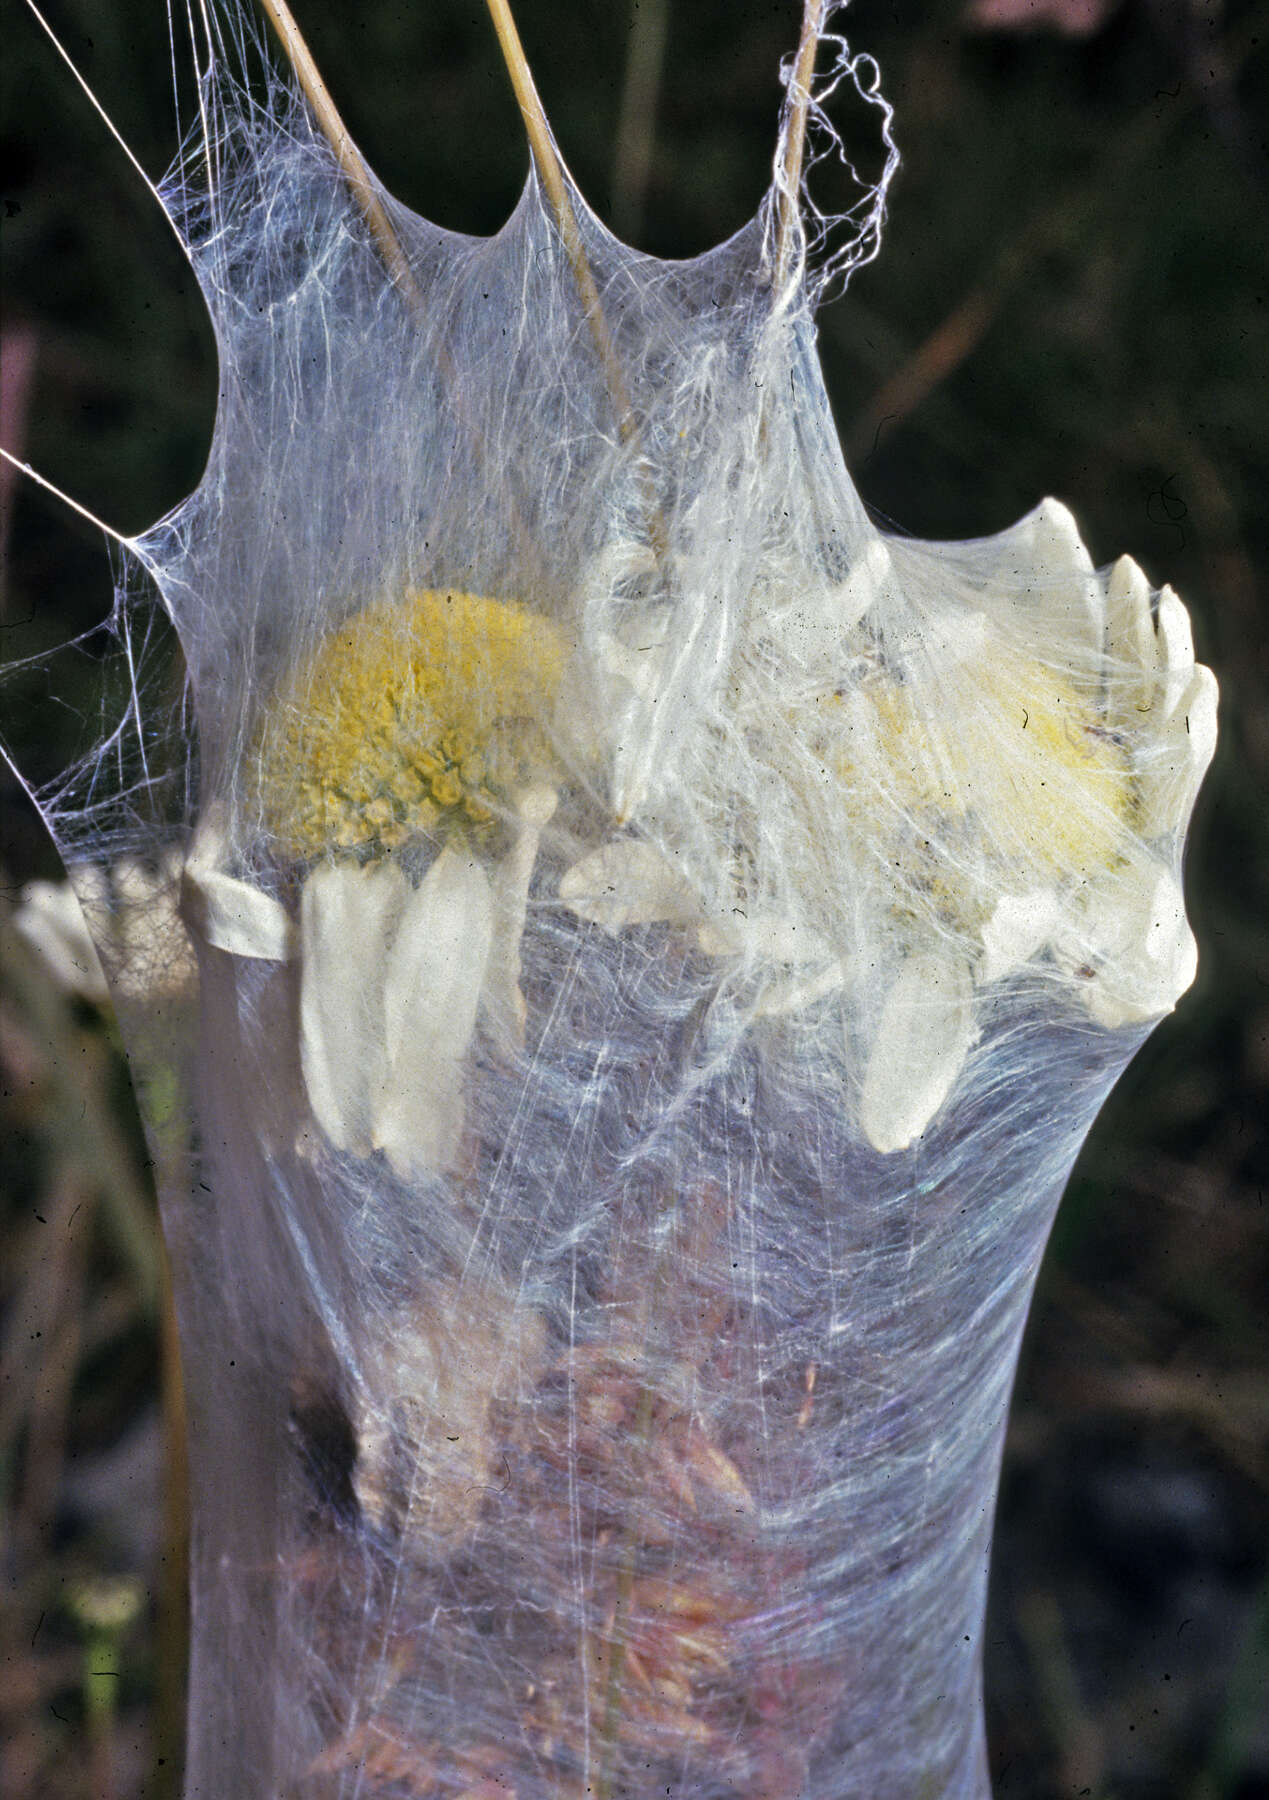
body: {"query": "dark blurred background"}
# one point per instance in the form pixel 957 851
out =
pixel 1071 299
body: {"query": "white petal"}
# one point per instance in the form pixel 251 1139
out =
pixel 1020 925
pixel 1048 574
pixel 947 639
pixel 1168 949
pixel 231 914
pixel 51 920
pixel 1154 968
pixel 628 882
pixel 244 920
pixel 797 993
pixel 1176 646
pixel 922 1039
pixel 869 576
pixel 1131 638
pixel 536 806
pixel 432 984
pixel 810 624
pixel 926 628
pixel 1137 942
pixel 766 937
pixel 1172 770
pixel 348 918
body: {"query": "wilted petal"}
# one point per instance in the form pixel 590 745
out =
pixel 51 920
pixel 1047 573
pixel 628 882
pixel 1138 954
pixel 431 989
pixel 648 733
pixel 348 917
pixel 923 1037
pixel 152 956
pixel 429 1376
pixel 1172 770
pixel 636 666
pixel 799 992
pixel 1131 638
pixel 1020 925
pixel 230 913
pixel 1176 646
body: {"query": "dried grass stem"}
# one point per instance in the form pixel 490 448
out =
pixel 351 162
pixel 795 134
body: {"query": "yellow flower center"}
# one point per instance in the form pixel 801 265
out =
pixel 417 713
pixel 1007 745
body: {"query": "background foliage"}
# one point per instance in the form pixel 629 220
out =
pixel 1071 299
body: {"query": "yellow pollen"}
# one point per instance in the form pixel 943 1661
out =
pixel 1007 742
pixel 416 714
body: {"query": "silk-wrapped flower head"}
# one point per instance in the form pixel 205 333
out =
pixel 642 947
pixel 418 727
pixel 408 677
pixel 961 764
pixel 862 775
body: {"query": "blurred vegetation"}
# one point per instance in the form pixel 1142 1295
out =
pixel 1071 299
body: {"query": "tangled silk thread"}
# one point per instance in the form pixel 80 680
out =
pixel 640 948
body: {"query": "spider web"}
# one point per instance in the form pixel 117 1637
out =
pixel 619 1410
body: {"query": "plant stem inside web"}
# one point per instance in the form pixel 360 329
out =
pixel 799 103
pixel 550 170
pixel 351 162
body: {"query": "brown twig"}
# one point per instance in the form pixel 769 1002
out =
pixel 351 162
pixel 799 106
pixel 951 342
pixel 365 193
pixel 551 173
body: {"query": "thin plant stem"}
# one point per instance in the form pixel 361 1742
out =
pixel 551 173
pixel 362 186
pixel 795 137
pixel 351 162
